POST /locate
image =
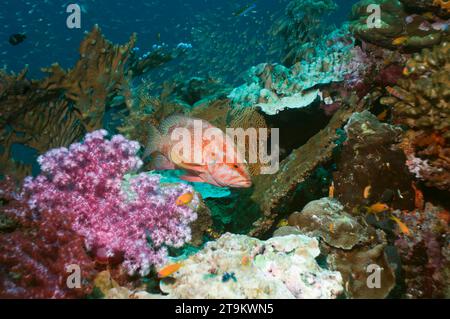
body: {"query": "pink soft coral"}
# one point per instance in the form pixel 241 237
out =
pixel 133 219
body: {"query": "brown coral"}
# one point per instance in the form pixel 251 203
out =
pixel 421 100
pixel 59 109
pixel 395 31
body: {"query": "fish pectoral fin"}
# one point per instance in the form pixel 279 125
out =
pixel 191 166
pixel 160 162
pixel 192 178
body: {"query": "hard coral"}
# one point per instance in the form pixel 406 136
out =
pixel 134 220
pixel 274 87
pixel 34 257
pixel 425 253
pixel 238 266
pixel 397 30
pixel 421 100
pixel 370 158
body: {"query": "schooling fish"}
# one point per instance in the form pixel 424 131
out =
pixel 17 38
pixel 243 11
pixel 204 151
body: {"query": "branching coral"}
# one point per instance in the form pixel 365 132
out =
pixel 34 258
pixel 421 100
pixel 134 220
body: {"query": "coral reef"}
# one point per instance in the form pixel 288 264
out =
pixel 420 100
pixel 370 152
pixel 397 29
pixel 35 256
pixel 273 192
pixel 440 7
pixel 326 219
pixel 425 253
pixel 62 107
pixel 349 244
pixel 281 267
pixel 133 220
pixel 274 87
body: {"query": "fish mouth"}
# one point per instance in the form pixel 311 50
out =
pixel 242 184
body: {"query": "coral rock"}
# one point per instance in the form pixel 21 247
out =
pixel 281 267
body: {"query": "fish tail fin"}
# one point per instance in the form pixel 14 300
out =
pixel 154 141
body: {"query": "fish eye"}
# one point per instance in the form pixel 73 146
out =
pixel 236 166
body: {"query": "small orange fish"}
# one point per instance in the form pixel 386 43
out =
pixel 245 260
pixel 331 227
pixel 406 71
pixel 400 40
pixel 444 216
pixel 366 192
pixel 378 208
pixel 395 92
pixel 169 270
pixel 419 200
pixel 331 190
pixel 383 115
pixel 403 228
pixel 184 199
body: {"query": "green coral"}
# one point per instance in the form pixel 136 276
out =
pixel 395 31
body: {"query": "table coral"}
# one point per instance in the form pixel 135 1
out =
pixel 274 87
pixel 281 267
pixel 134 221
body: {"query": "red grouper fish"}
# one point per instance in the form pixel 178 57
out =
pixel 204 151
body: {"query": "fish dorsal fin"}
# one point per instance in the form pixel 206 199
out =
pixel 179 120
pixel 172 121
pixel 154 141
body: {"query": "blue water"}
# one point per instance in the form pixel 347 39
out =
pixel 223 44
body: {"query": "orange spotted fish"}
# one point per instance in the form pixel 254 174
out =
pixel 204 151
pixel 169 270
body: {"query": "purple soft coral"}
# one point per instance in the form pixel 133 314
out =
pixel 132 219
